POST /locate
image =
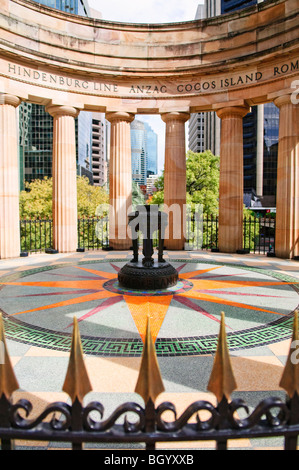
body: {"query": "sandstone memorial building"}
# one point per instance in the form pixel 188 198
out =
pixel 224 64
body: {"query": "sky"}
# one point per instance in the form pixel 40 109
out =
pixel 146 11
pixel 149 11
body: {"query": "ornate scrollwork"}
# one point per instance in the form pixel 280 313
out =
pixel 179 423
pixel 91 425
pixel 264 408
pixel 20 422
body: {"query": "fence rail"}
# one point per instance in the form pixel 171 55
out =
pixel 75 423
pixel 201 234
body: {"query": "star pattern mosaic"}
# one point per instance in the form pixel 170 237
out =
pixel 39 306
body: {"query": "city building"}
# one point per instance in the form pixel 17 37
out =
pixel 24 120
pixel 144 148
pixel 76 7
pixel 99 149
pixel 36 125
pixel 204 128
pixel 151 184
pixel 204 132
pixel 138 150
pixel 152 150
pixel 260 127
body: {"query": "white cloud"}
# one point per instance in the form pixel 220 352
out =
pixel 147 11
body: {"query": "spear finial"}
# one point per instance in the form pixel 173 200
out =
pixel 222 381
pixel 76 383
pixel 149 384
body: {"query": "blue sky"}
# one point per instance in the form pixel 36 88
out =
pixel 149 11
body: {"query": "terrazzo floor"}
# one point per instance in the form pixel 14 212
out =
pixel 41 294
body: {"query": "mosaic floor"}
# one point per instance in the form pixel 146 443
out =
pixel 39 306
pixel 41 294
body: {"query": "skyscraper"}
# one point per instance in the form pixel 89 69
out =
pixel 260 126
pixel 204 128
pixel 139 153
pixel 37 125
pixel 24 116
pixel 99 149
pixel 144 150
pixel 77 7
pixel 151 150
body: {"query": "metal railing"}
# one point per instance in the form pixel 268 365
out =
pixel 93 234
pixel 36 235
pixel 258 234
pixel 77 424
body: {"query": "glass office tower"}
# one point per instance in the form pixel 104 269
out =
pixel 36 148
pixel 228 6
pixel 138 151
pixel 77 7
pixel 152 150
pixel 270 114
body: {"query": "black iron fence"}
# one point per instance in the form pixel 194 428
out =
pixel 35 235
pixel 149 424
pixel 93 233
pixel 201 234
pixel 258 234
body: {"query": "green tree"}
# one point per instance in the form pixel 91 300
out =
pixel 36 199
pixel 202 175
pixel 202 182
pixel 138 197
pixel 89 197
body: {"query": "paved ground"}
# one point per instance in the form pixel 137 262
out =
pixel 40 295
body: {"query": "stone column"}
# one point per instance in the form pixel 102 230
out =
pixel 120 179
pixel 175 179
pixel 230 238
pixel 64 172
pixel 9 178
pixel 287 199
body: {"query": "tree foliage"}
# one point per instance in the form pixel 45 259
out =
pixel 36 199
pixel 202 182
pixel 138 197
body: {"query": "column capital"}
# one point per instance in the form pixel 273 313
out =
pixel 10 99
pixel 57 110
pixel 120 116
pixel 283 99
pixel 175 115
pixel 228 111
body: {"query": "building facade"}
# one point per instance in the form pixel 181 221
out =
pixel 139 153
pixel 99 149
pixel 260 126
pixel 76 7
pixel 144 147
pixel 36 149
pixel 204 128
pixel 151 150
